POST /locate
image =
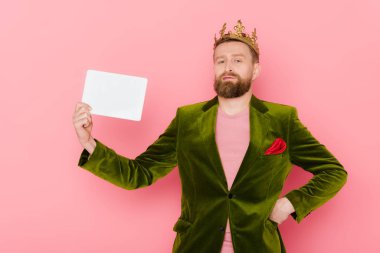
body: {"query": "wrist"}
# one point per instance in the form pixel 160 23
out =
pixel 90 145
pixel 289 205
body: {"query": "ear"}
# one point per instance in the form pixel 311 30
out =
pixel 256 70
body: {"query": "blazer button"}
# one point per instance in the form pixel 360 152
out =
pixel 230 195
pixel 221 229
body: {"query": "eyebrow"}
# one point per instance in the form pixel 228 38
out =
pixel 232 55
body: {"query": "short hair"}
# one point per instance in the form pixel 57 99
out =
pixel 255 57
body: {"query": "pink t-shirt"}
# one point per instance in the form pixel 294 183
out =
pixel 232 139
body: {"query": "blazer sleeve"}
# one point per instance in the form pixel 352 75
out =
pixel 329 176
pixel 155 162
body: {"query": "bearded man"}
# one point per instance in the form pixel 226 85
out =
pixel 234 153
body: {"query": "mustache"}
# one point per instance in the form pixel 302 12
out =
pixel 229 74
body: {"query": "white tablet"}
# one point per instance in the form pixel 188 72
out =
pixel 115 95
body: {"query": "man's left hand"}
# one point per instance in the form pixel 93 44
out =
pixel 281 211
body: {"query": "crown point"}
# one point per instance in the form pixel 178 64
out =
pixel 239 28
pixel 223 29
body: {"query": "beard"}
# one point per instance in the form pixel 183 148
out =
pixel 232 89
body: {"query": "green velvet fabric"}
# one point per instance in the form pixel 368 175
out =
pixel 206 203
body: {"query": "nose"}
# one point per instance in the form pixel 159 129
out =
pixel 228 67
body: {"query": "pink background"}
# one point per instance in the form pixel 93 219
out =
pixel 322 57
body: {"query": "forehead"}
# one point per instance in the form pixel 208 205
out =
pixel 231 47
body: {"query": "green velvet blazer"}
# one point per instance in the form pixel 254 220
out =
pixel 206 203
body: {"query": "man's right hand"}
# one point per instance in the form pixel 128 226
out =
pixel 83 126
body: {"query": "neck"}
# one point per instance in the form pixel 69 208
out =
pixel 232 106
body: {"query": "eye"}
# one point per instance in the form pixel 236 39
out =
pixel 219 62
pixel 238 60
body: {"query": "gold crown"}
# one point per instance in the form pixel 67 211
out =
pixel 238 35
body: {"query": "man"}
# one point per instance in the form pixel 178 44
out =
pixel 233 153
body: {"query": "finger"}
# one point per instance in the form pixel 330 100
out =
pixel 83 116
pixel 77 105
pixel 81 111
pixel 80 105
pixel 83 122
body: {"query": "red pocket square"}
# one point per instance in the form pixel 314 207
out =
pixel 278 146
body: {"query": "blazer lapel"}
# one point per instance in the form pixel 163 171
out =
pixel 259 124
